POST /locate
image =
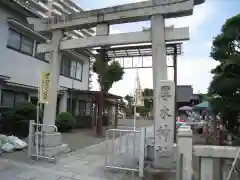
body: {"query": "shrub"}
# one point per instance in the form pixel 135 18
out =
pixel 24 111
pixel 20 116
pixel 65 121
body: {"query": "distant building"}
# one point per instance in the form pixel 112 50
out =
pixel 185 96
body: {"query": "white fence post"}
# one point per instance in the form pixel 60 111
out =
pixel 184 147
pixel 206 168
pixel 142 151
pixel 30 138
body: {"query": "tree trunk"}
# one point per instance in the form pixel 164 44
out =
pixel 101 98
pixel 100 113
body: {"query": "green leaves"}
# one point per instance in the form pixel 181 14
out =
pixel 227 43
pixel 108 72
pixel 224 89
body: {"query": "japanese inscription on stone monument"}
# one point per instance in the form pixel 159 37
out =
pixel 164 125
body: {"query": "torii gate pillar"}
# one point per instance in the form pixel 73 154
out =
pixel 52 140
pixel 163 95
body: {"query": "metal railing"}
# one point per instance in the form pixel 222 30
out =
pixel 36 141
pixel 234 166
pixel 126 149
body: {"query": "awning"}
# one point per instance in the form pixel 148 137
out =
pixel 25 86
pixel 202 106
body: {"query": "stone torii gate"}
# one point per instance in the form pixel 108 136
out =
pixel 154 10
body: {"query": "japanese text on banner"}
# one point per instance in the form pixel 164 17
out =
pixel 44 87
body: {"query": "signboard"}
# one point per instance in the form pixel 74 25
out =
pixel 164 124
pixel 44 87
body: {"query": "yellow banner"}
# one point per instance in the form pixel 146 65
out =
pixel 44 87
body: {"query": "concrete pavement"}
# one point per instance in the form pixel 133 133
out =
pixel 85 164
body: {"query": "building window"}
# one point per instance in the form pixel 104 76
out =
pixel 66 67
pixel 27 45
pixel 40 56
pixel 82 107
pixel 7 98
pixel 20 98
pixel 71 106
pixel 72 69
pixel 11 98
pixel 20 42
pixel 14 39
pixel 79 70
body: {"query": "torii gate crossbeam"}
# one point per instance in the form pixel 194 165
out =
pixel 171 34
pixel 134 12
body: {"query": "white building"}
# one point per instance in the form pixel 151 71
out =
pixel 20 65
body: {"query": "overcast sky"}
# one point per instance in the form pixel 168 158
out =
pixel 195 64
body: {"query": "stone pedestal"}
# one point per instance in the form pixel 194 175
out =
pixel 184 154
pixel 50 144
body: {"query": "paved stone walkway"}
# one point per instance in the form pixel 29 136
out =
pixel 85 164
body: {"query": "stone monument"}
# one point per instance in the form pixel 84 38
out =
pixel 164 126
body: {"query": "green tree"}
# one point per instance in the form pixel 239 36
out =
pixel 108 72
pixel 224 89
pixel 130 99
pixel 129 107
pixel 203 97
pixel 142 110
pixel 148 98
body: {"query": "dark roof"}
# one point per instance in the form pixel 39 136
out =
pixel 95 93
pixel 139 50
pixel 184 93
pixel 195 97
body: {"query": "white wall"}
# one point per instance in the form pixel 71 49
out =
pixel 26 69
